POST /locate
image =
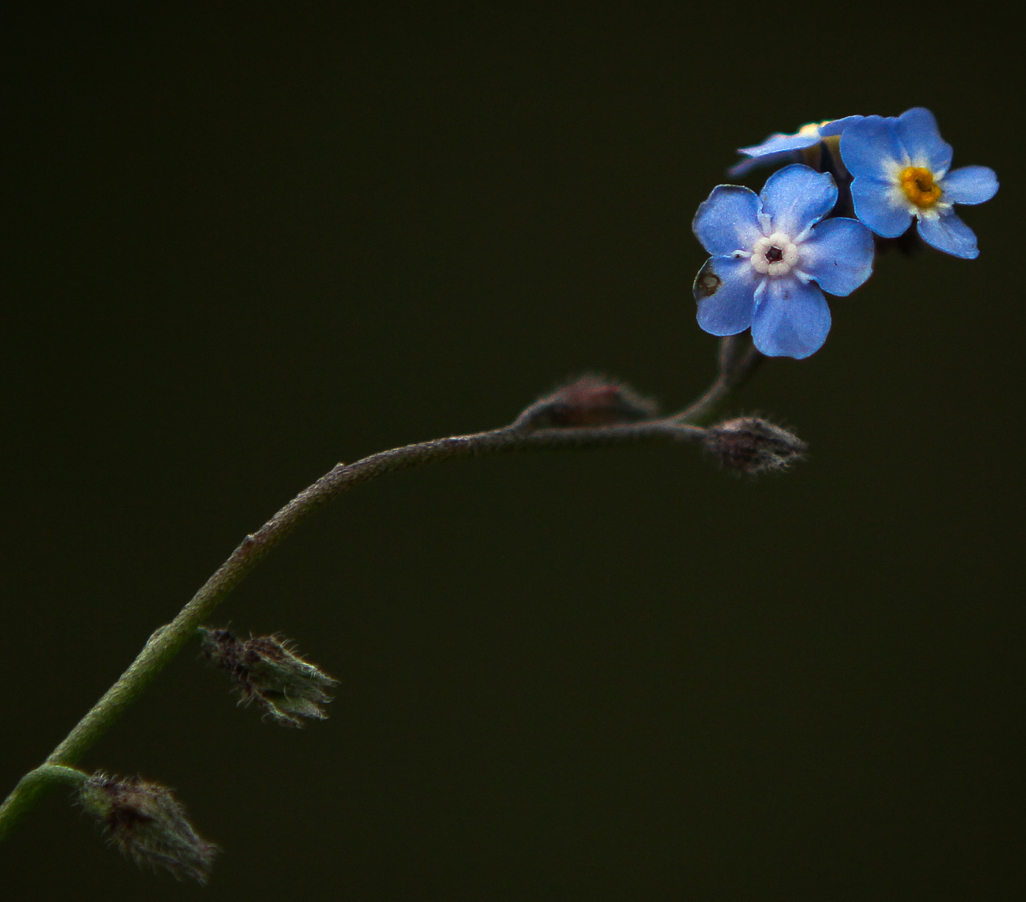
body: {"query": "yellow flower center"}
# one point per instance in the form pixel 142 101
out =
pixel 812 128
pixel 919 187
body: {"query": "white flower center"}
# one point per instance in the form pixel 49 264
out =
pixel 774 256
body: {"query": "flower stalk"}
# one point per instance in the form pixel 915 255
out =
pixel 773 258
pixel 734 366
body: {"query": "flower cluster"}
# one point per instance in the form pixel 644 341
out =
pixel 815 227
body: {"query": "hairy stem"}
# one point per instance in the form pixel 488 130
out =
pixel 737 360
pixel 30 790
pixel 168 640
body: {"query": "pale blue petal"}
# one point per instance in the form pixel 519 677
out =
pixel 792 319
pixel 917 130
pixel 780 143
pixel 870 148
pixel 780 148
pixel 837 126
pixel 838 255
pixel 949 234
pixel 725 291
pixel 728 221
pixel 768 159
pixel 970 185
pixel 796 196
pixel 876 206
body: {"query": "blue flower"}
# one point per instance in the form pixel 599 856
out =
pixel 772 259
pixel 901 168
pixel 780 148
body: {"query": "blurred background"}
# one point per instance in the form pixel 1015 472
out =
pixel 243 245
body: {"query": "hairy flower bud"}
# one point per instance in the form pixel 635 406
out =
pixel 753 445
pixel 144 821
pixel 266 670
pixel 588 401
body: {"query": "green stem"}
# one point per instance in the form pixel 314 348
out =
pixel 30 790
pixel 165 643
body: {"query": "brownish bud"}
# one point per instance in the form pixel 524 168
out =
pixel 144 821
pixel 753 445
pixel 266 670
pixel 588 401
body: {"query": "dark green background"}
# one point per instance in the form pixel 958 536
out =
pixel 243 245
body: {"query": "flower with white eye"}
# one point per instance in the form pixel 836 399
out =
pixel 772 259
pixel 902 170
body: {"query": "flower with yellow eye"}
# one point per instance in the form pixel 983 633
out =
pixel 902 171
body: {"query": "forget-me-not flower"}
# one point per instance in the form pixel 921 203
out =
pixel 781 148
pixel 902 171
pixel 772 259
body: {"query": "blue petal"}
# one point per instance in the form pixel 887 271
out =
pixel 780 143
pixel 870 148
pixel 792 319
pixel 769 159
pixel 728 221
pixel 917 130
pixel 837 126
pixel 970 185
pixel 796 196
pixel 725 291
pixel 878 207
pixel 780 148
pixel 949 234
pixel 838 255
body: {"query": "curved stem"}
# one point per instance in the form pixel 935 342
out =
pixel 30 790
pixel 168 640
pixel 737 360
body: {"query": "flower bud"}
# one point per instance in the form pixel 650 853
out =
pixel 588 401
pixel 753 445
pixel 144 821
pixel 265 670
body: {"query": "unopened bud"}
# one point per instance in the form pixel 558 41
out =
pixel 144 821
pixel 588 401
pixel 266 670
pixel 753 445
